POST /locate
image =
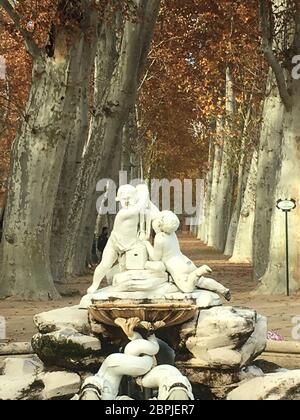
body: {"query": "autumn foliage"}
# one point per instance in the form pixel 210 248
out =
pixel 183 90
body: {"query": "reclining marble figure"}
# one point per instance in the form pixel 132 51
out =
pixel 166 248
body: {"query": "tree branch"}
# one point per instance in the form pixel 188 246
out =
pixel 31 46
pixel 270 56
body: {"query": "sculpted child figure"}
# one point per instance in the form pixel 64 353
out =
pixel 185 274
pixel 136 208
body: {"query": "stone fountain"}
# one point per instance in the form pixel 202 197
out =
pixel 160 324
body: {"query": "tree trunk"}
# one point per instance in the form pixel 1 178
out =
pixel 243 246
pixel 83 57
pixel 37 158
pixel 268 164
pixel 110 115
pixel 222 208
pixel 213 211
pixel 243 173
pixel 3 200
pixel 83 206
pixel 204 227
pixel 288 181
pixel 126 154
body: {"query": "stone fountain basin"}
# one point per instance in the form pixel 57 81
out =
pixel 171 313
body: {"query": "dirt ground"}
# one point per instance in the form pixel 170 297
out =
pixel 280 310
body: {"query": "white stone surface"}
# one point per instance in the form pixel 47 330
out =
pixel 15 388
pixel 206 299
pixel 19 367
pixel 167 291
pixel 228 338
pixel 139 280
pixel 60 385
pixel 71 336
pixel 136 258
pixel 72 317
pixel 251 372
pixel 277 386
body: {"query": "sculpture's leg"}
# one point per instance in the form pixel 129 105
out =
pixel 110 256
pixel 187 283
pixel 214 286
pixel 111 274
pixel 171 384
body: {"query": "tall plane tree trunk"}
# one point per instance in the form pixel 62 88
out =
pixel 243 173
pixel 111 114
pixel 288 175
pixel 82 210
pixel 288 182
pixel 83 57
pixel 268 163
pixel 243 245
pixel 216 171
pixel 222 213
pixel 36 162
pixel 204 226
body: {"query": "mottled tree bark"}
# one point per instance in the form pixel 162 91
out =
pixel 37 157
pixel 243 173
pixel 111 113
pixel 268 163
pixel 222 207
pixel 78 98
pixel 36 163
pixel 203 229
pixel 212 216
pixel 243 245
pixel 288 176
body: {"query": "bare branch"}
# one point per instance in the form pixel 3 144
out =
pixel 30 44
pixel 269 53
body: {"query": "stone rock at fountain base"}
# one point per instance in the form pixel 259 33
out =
pixel 19 367
pixel 226 338
pixel 23 388
pixel 68 349
pixel 58 319
pixel 26 379
pixel 271 387
pixel 58 385
pixel 217 378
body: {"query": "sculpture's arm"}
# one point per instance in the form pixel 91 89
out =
pixel 142 203
pixel 154 211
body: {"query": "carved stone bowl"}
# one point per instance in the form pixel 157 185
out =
pixel 167 313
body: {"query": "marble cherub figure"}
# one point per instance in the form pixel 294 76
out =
pixel 184 272
pixel 130 228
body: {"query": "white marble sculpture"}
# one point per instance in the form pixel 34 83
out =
pixel 166 248
pixel 132 225
pixel 162 269
pixel 137 361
